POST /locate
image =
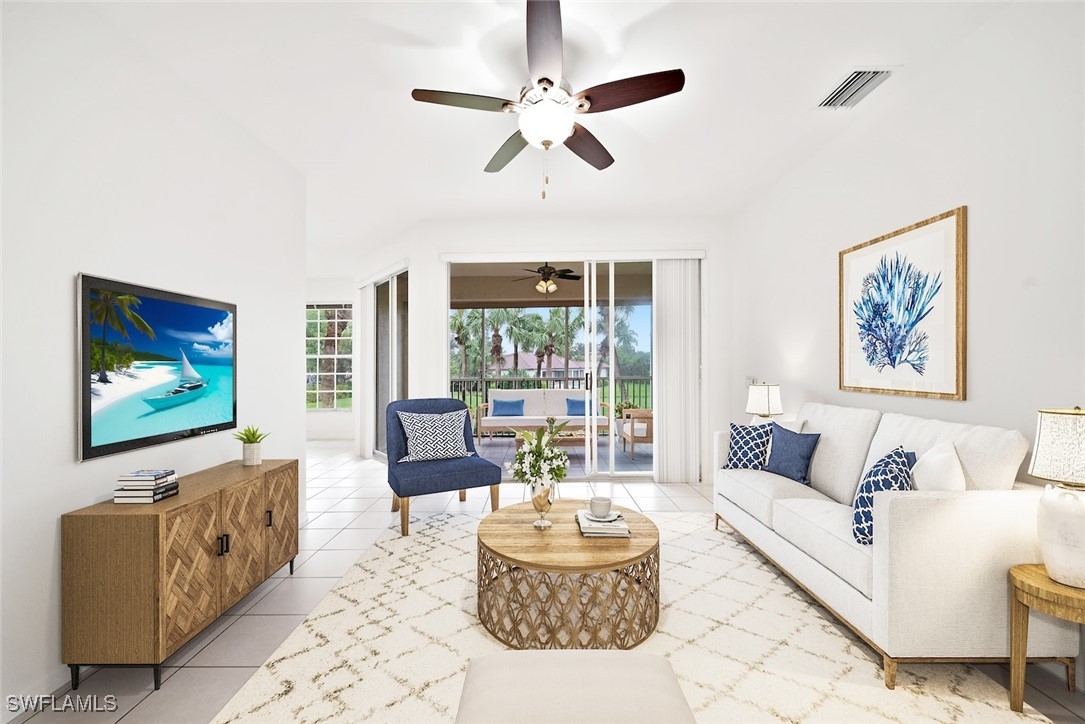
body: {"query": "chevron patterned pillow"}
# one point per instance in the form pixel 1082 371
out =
pixel 434 437
pixel 892 472
pixel 749 443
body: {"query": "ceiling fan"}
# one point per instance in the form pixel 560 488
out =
pixel 546 275
pixel 547 106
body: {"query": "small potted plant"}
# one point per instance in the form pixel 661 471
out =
pixel 250 439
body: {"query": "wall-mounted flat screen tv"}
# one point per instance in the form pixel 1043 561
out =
pixel 156 366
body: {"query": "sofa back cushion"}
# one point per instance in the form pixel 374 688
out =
pixel 556 405
pixel 533 400
pixel 838 460
pixel 990 456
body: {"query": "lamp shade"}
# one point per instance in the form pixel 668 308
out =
pixel 764 400
pixel 1060 446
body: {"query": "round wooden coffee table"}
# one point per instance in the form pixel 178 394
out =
pixel 556 589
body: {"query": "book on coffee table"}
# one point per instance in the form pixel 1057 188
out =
pixel 589 528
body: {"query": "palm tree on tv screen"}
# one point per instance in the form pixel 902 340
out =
pixel 111 309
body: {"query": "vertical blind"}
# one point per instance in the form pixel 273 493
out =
pixel 678 358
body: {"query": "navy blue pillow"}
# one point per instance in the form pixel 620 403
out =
pixel 574 406
pixel 507 408
pixel 890 473
pixel 748 446
pixel 791 453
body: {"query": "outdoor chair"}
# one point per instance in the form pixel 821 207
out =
pixel 636 427
pixel 408 479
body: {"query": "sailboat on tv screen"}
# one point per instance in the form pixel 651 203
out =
pixel 191 387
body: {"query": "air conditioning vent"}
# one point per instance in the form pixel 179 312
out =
pixel 855 88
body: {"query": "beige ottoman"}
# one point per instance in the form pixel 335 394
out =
pixel 595 686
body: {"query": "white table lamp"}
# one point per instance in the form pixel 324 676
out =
pixel 1060 519
pixel 764 400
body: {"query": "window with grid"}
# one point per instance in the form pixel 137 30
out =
pixel 328 347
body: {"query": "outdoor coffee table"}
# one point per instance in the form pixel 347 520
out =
pixel 556 589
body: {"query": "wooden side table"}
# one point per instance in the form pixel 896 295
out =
pixel 1032 588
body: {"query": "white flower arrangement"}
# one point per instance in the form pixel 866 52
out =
pixel 536 459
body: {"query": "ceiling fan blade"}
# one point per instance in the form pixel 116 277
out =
pixel 533 271
pixel 570 277
pixel 460 100
pixel 564 271
pixel 587 146
pixel 512 146
pixel 521 279
pixel 544 40
pixel 621 93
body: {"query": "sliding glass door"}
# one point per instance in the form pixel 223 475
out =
pixel 390 351
pixel 618 346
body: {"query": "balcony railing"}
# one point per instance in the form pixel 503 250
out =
pixel 634 390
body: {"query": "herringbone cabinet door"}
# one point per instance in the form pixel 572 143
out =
pixel 243 521
pixel 281 487
pixel 190 572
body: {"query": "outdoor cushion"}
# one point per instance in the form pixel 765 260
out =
pixel 822 530
pixel 534 401
pixel 755 490
pixel 573 406
pixel 505 408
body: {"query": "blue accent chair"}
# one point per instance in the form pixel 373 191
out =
pixel 433 476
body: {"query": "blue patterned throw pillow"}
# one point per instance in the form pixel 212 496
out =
pixel 748 446
pixel 892 472
pixel 434 437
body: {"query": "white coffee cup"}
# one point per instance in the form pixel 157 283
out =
pixel 600 507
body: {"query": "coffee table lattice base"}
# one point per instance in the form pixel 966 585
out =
pixel 528 609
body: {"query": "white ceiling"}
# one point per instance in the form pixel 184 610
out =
pixel 327 87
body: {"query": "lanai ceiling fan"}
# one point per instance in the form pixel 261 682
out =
pixel 546 275
pixel 547 106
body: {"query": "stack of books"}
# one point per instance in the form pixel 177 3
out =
pixel 593 528
pixel 146 486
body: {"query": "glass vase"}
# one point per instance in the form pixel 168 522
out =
pixel 542 497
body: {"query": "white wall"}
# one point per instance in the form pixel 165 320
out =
pixel 995 124
pixel 930 139
pixel 330 424
pixel 113 168
pixel 569 238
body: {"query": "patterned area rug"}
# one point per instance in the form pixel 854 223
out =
pixel 392 640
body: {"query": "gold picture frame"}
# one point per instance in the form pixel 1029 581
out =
pixel 903 310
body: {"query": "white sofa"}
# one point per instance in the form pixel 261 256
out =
pixel 934 584
pixel 538 405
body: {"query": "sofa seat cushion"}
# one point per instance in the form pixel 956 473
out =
pixel 439 476
pixel 755 490
pixel 525 422
pixel 822 530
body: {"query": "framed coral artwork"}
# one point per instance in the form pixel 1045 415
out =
pixel 902 311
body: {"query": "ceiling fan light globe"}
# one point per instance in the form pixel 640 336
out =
pixel 546 120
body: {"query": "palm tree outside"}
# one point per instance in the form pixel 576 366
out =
pixel 111 309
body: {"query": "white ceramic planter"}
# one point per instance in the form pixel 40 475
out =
pixel 250 453
pixel 1060 524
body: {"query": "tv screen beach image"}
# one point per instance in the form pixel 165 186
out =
pixel 156 366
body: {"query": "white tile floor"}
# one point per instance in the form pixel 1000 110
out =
pixel 350 506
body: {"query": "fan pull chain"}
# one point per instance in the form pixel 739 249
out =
pixel 546 171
